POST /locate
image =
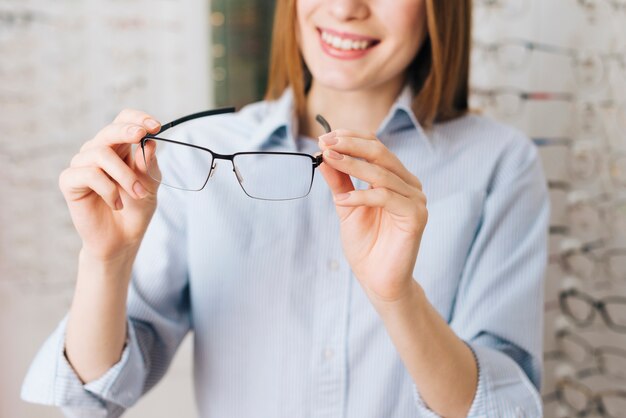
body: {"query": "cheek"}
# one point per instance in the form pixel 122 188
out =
pixel 407 24
pixel 304 9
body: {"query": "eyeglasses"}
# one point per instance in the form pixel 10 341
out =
pixel 584 158
pixel 596 10
pixel 579 259
pixel 590 161
pixel 579 399
pixel 510 9
pixel 261 175
pixel 592 214
pixel 606 360
pixel 589 68
pixel 509 101
pixel 581 309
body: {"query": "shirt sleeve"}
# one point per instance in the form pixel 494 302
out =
pixel 158 319
pixel 498 310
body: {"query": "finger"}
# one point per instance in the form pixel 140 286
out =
pixel 384 198
pixel 149 171
pixel 116 134
pixel 76 183
pixel 372 150
pixel 338 183
pixel 111 163
pixel 375 175
pixel 138 117
pixel 356 134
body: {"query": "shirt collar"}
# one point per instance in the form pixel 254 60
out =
pixel 401 115
pixel 280 124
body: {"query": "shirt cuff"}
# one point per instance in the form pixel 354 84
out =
pixel 51 380
pixel 503 389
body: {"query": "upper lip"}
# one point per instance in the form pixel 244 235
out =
pixel 347 35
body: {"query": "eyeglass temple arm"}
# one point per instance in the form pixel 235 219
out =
pixel 320 119
pixel 195 116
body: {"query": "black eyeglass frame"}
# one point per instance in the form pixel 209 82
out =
pixel 316 160
pixel 599 305
pixel 595 402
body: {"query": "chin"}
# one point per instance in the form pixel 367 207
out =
pixel 340 82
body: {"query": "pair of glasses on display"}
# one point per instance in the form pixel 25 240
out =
pixel 583 260
pixel 509 102
pixel 581 308
pixel 589 117
pixel 509 9
pixel 607 361
pixel 589 67
pixel 592 5
pixel 589 160
pixel 580 400
pixel 261 175
pixel 591 214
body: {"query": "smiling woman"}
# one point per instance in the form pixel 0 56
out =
pixel 360 300
pixel 426 41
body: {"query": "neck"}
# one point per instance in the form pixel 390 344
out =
pixel 359 110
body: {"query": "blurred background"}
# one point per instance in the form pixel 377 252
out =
pixel 555 69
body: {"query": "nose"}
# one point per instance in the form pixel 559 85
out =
pixel 346 10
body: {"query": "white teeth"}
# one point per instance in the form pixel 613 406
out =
pixel 344 43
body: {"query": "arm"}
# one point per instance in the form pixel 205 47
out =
pixel 499 305
pixel 440 363
pixel 96 328
pixel 147 330
pixel 484 361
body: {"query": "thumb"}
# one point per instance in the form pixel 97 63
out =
pixel 149 174
pixel 338 183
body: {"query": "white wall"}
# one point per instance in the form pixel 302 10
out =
pixel 67 68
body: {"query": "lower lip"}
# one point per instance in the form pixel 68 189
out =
pixel 343 54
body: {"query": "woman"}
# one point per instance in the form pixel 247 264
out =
pixel 356 303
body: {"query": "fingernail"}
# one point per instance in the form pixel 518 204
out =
pixel 332 154
pixel 329 140
pixel 342 196
pixel 139 190
pixel 328 135
pixel 118 204
pixel 151 123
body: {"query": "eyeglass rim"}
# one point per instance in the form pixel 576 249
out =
pixel 316 160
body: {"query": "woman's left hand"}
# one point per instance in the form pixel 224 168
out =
pixel 381 227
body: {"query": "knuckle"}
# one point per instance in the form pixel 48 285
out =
pixel 75 159
pixel 101 156
pixel 63 178
pixel 132 129
pixel 382 194
pixel 86 145
pixel 126 112
pixel 381 175
pixel 111 191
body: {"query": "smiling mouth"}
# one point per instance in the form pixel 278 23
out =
pixel 345 42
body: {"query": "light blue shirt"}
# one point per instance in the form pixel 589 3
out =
pixel 281 326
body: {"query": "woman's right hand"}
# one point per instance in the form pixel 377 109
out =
pixel 108 191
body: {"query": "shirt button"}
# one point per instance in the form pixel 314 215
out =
pixel 333 265
pixel 328 353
